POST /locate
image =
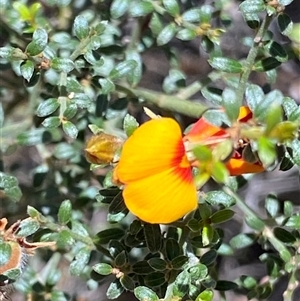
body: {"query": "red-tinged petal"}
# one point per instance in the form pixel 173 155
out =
pixel 203 130
pixel 154 147
pixel 238 167
pixel 163 197
pixel 245 114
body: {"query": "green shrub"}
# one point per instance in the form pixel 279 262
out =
pixel 72 70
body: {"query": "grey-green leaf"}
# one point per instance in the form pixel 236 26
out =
pixel 272 205
pixel 186 34
pixel 107 86
pixel 293 222
pixel 291 109
pixel 118 8
pixel 166 34
pixel 226 65
pixel 62 64
pixel 242 240
pixel 172 7
pixel 47 107
pixel 81 260
pixel 266 151
pixel 144 293
pixel 70 129
pixel 27 69
pixel 255 223
pixel 140 8
pixel 65 212
pixel 81 27
pixel 130 125
pixel 27 227
pixel 38 43
pixel 135 76
pixel 254 95
pixel 122 69
pixel 252 6
pixel 82 100
pixel 192 15
pixel 114 290
pixel 51 122
pixel 219 198
pixel 103 269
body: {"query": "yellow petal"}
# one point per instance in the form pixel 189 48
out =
pixel 154 147
pixel 245 114
pixel 163 197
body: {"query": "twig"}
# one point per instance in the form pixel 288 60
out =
pixel 266 231
pixel 293 281
pixel 251 59
pixel 168 102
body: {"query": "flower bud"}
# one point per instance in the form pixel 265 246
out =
pixel 101 148
pixel 15 261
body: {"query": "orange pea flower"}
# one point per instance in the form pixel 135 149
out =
pixel 206 132
pixel 157 174
pixel 157 177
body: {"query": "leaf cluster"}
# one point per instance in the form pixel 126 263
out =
pixel 72 67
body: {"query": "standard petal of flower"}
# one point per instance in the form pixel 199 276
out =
pixel 163 197
pixel 155 146
pixel 238 167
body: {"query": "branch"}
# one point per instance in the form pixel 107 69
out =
pixel 266 231
pixel 251 59
pixel 163 101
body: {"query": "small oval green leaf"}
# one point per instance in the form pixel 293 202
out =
pixel 166 34
pixel 47 107
pixel 64 212
pixel 226 65
pixel 103 269
pixel 81 27
pixel 38 43
pixel 27 69
pixel 70 129
pixel 144 293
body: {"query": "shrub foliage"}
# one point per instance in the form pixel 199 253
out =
pixel 73 69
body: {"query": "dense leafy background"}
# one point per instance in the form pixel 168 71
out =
pixel 66 65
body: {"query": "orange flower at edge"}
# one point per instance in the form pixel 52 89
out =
pixel 204 131
pixel 157 177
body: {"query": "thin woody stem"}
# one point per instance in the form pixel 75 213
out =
pixel 196 86
pixel 293 280
pixel 168 102
pixel 265 231
pixel 251 59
